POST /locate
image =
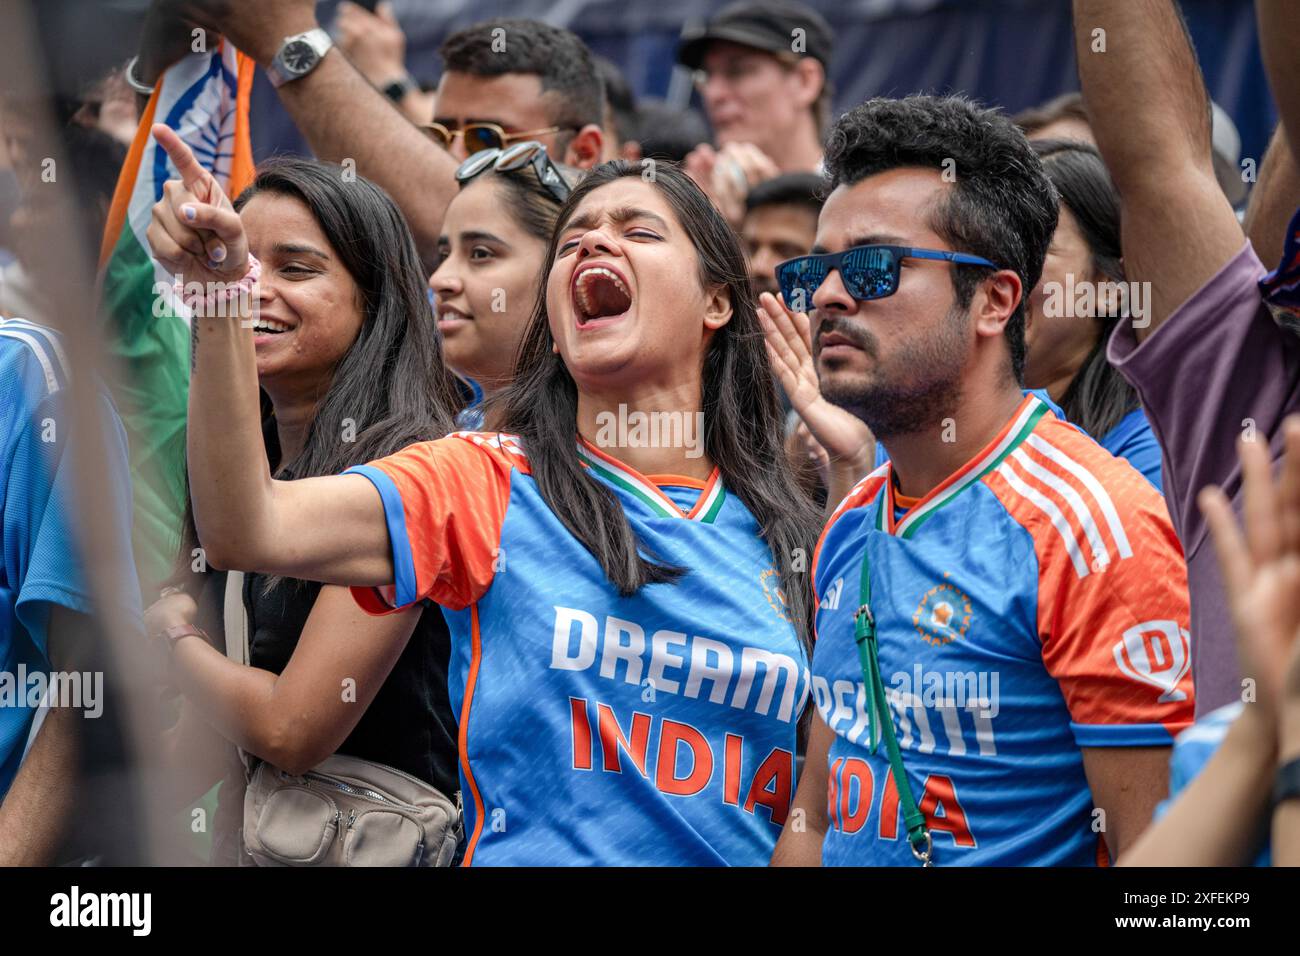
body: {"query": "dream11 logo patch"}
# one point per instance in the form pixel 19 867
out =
pixel 1157 653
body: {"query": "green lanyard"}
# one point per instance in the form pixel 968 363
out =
pixel 864 633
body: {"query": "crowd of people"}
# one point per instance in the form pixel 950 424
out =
pixel 568 481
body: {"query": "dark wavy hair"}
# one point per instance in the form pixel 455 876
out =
pixel 392 388
pixel 1003 206
pixel 1098 396
pixel 571 85
pixel 742 417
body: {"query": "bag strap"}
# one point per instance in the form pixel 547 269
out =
pixel 235 618
pixel 864 634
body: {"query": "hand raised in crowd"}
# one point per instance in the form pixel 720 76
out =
pixel 847 443
pixel 374 42
pixel 256 27
pixel 1261 575
pixel 195 232
pixel 727 175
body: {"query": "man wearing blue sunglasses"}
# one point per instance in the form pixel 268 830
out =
pixel 1003 650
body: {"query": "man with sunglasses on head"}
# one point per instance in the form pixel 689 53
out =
pixel 510 80
pixel 1002 655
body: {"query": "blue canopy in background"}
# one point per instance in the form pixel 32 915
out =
pixel 1013 53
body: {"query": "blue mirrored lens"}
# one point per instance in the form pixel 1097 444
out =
pixel 799 280
pixel 870 273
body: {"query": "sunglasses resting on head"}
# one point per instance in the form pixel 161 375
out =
pixel 868 272
pixel 531 153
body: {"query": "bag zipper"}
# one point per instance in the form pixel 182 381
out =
pixel 363 792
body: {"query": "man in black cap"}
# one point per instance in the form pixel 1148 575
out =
pixel 761 69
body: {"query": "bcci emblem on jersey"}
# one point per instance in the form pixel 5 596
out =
pixel 943 615
pixel 775 594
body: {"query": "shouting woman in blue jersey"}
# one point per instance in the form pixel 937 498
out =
pixel 623 567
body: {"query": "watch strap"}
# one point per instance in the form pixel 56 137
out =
pixel 1286 785
pixel 397 90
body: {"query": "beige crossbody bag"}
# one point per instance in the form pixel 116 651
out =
pixel 344 812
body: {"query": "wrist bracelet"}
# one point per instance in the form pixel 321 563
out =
pixel 206 301
pixel 129 75
pixel 174 633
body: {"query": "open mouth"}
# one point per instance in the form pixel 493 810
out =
pixel 264 326
pixel 600 293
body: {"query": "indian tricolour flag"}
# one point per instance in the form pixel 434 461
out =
pixel 204 98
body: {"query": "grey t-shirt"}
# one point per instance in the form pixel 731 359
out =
pixel 1217 368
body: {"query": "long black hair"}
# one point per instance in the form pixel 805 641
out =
pixel 1098 396
pixel 742 418
pixel 392 388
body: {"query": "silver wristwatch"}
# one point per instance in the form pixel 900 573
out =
pixel 298 56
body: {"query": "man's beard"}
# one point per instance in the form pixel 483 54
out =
pixel 917 392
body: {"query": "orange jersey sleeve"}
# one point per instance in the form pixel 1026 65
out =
pixel 1113 608
pixel 445 504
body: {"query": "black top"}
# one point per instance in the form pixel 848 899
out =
pixel 410 724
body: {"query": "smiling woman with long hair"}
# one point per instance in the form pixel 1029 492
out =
pixel 628 596
pixel 348 367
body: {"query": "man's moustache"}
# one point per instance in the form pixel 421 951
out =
pixel 857 336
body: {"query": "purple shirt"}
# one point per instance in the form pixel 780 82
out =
pixel 1218 366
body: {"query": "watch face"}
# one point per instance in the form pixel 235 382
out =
pixel 298 56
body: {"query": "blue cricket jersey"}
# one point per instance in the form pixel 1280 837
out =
pixel 656 729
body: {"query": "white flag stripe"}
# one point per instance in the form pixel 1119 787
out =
pixel 1081 511
pixel 1094 487
pixel 1048 508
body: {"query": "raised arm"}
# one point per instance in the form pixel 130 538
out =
pixel 322 529
pixel 342 115
pixel 1279 39
pixel 1150 113
pixel 1273 201
pixel 296 719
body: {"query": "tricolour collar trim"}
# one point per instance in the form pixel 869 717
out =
pixel 706 507
pixel 1023 422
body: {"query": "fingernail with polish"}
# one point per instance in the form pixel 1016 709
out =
pixel 218 253
pixel 190 212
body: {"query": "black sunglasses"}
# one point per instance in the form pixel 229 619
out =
pixel 517 157
pixel 868 272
